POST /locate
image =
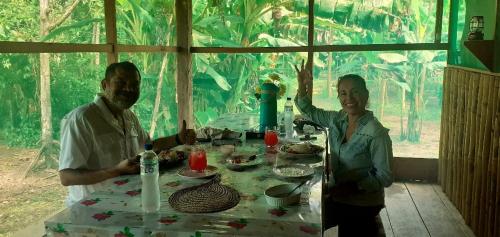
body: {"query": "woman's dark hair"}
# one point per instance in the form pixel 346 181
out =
pixel 357 80
pixel 125 65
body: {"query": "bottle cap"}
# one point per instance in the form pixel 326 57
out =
pixel 148 146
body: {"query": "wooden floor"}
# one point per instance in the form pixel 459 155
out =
pixel 419 209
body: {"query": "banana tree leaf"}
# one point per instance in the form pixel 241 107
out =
pixel 277 42
pixel 204 117
pixel 393 57
pixel 198 8
pixel 208 22
pixel 401 84
pixel 142 13
pixel 220 80
pixel 63 29
pixel 328 24
pixel 202 39
pixel 422 56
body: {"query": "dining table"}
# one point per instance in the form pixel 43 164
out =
pixel 116 209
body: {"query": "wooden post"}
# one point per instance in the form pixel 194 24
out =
pixel 110 23
pixel 183 10
pixel 310 40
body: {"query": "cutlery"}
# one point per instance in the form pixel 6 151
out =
pixel 283 195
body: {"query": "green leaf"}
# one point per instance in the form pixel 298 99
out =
pixel 393 57
pixel 63 29
pixel 220 80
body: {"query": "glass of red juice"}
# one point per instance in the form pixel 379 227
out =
pixel 271 137
pixel 198 160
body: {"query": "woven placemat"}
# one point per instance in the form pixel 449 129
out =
pixel 205 198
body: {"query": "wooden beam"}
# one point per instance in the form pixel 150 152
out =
pixel 145 48
pixel 38 47
pixel 415 169
pixel 474 70
pixel 183 9
pixel 452 32
pixel 439 22
pixel 324 48
pixel 380 47
pixel 496 63
pixel 110 25
pixel 310 37
pixel 248 50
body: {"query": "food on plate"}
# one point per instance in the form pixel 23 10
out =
pixel 240 158
pixel 303 148
pixel 292 171
pixel 170 156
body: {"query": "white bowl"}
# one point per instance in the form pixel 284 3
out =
pixel 275 195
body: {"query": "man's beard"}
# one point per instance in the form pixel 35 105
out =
pixel 124 102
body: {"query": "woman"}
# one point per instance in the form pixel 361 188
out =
pixel 361 154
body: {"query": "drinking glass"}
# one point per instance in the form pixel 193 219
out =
pixel 198 160
pixel 271 137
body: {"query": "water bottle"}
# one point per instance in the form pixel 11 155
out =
pixel 150 194
pixel 288 117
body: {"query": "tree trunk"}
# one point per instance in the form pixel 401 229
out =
pixel 383 89
pixel 159 85
pixel 45 105
pixel 96 32
pixel 415 104
pixel 329 78
pixel 402 133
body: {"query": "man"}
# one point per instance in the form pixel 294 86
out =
pixel 102 139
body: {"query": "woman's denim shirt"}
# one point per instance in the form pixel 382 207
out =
pixel 365 159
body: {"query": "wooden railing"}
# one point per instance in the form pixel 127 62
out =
pixel 469 153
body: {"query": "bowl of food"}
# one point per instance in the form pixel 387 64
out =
pixel 303 149
pixel 283 195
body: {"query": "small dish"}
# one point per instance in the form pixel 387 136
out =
pixel 188 173
pixel 242 161
pixel 277 196
pixel 293 171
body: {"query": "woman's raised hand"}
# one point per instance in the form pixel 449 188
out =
pixel 304 79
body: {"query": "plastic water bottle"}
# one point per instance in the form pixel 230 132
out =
pixel 150 194
pixel 288 117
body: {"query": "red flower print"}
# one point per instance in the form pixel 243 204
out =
pixel 309 229
pixel 239 224
pixel 121 182
pixel 277 211
pixel 125 233
pixel 90 202
pixel 169 219
pixel 102 216
pixel 133 192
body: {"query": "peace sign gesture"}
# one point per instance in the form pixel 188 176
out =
pixel 304 79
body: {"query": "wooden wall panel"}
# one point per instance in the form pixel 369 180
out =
pixel 469 153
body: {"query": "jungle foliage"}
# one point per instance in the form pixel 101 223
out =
pixel 222 82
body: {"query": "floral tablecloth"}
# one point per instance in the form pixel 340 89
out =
pixel 116 211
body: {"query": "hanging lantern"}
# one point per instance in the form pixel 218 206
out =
pixel 476 27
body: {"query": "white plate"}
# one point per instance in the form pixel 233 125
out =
pixel 188 173
pixel 283 151
pixel 293 171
